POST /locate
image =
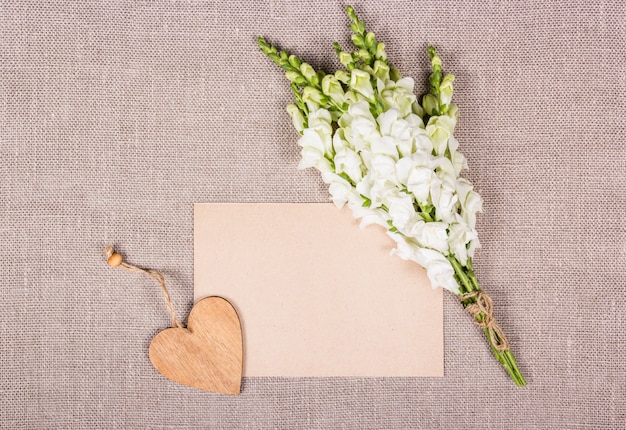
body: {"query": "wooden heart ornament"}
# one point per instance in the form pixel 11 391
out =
pixel 208 354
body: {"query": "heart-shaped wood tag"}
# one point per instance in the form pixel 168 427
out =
pixel 208 354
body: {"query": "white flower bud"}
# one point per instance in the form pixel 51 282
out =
pixel 361 83
pixel 297 117
pixel 380 52
pixel 381 70
pixel 308 72
pixel 445 92
pixel 310 94
pixel 430 104
pixel 342 76
pixel 332 88
pixel 439 130
pixel 295 77
pixel 345 58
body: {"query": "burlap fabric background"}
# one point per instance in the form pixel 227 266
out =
pixel 115 117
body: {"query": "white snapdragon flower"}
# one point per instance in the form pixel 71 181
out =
pixel 421 140
pixel 386 120
pixel 470 201
pixel 381 70
pixel 402 132
pixel 362 125
pixel 320 122
pixel 453 144
pixel 368 215
pixel 397 95
pixel 473 245
pixel 416 174
pixel 439 129
pixel 312 149
pixel 433 235
pixel 376 190
pixel 444 199
pixel 339 140
pixel 405 248
pixel 445 171
pixel 460 235
pixel 341 191
pixel 380 183
pixel 438 269
pixel 400 207
pixel 392 125
pixel 382 167
pixel 348 161
pixel 316 141
pixel 385 145
pixel 353 97
pixel 459 162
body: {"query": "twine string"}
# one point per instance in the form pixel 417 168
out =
pixel 156 276
pixel 484 306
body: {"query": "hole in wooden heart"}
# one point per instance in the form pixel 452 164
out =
pixel 208 354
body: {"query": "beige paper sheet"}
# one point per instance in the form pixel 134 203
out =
pixel 317 295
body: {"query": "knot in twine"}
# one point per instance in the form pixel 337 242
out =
pixel 115 260
pixel 484 306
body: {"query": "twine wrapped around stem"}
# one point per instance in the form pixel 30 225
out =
pixel 482 311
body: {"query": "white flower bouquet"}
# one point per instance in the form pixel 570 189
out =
pixel 395 162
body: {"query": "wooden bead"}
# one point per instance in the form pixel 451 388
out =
pixel 114 260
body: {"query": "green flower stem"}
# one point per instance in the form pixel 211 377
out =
pixel 462 274
pixel 468 283
pixel 472 277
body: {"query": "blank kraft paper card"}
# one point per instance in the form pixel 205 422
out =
pixel 316 294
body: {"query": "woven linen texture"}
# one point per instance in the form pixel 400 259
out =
pixel 115 117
